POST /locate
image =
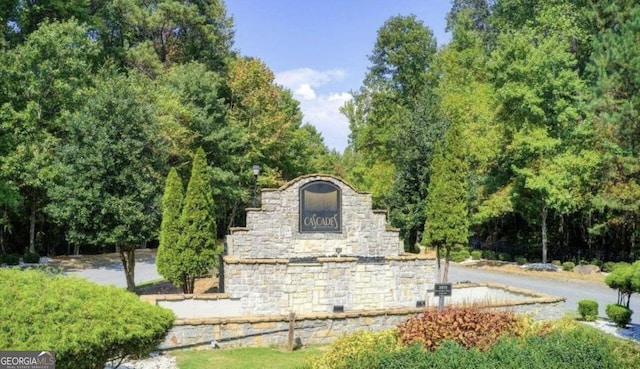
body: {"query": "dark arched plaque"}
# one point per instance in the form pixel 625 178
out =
pixel 320 207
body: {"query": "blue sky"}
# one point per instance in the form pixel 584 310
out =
pixel 318 48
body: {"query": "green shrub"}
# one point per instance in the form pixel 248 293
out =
pixel 596 262
pixel 622 279
pixel 608 266
pixel 619 314
pixel 503 256
pixel 521 260
pixel 588 310
pixel 488 254
pixel 467 326
pixel 356 347
pixel 556 262
pixel 31 258
pixel 476 254
pixel 449 355
pixel 459 255
pixel 86 324
pixel 568 266
pixel 10 259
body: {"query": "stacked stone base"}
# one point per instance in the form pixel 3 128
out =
pixel 322 328
pixel 280 286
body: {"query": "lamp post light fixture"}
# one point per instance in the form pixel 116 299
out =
pixel 256 172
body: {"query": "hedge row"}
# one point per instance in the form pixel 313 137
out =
pixel 86 324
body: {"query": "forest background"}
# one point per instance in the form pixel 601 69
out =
pixel 533 106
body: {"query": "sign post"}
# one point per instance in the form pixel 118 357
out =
pixel 441 290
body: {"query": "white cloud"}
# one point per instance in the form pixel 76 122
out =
pixel 324 114
pixel 296 77
pixel 304 92
pixel 320 109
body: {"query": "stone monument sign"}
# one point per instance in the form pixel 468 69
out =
pixel 316 245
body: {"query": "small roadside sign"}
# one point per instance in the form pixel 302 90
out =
pixel 442 289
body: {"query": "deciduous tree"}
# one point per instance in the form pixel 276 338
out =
pixel 394 120
pixel 42 82
pixel 539 91
pixel 107 181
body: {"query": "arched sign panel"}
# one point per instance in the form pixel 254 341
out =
pixel 320 208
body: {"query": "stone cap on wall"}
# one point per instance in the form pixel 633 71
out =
pixel 301 178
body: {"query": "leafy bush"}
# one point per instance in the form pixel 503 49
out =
pixel 86 324
pixel 608 266
pixel 356 348
pixel 596 262
pixel 489 254
pixel 521 260
pixel 469 327
pixel 621 315
pixel 31 258
pixel 459 255
pixel 626 279
pixel 503 256
pixel 9 259
pixel 556 262
pixel 568 266
pixel 588 310
pixel 476 254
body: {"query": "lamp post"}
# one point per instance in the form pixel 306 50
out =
pixel 256 172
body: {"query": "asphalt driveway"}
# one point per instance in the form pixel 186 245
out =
pixel 107 269
pixel 572 290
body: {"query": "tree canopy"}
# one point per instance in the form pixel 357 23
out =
pixel 542 95
pixel 98 101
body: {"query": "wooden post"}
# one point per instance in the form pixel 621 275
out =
pixel 291 338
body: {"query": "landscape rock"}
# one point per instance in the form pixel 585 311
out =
pixel 542 267
pixel 587 269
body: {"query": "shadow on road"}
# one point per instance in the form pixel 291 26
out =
pixel 109 261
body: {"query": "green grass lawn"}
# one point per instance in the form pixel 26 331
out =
pixel 245 358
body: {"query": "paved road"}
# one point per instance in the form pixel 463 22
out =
pixel 145 271
pixel 573 291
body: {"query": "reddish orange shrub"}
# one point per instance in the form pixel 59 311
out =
pixel 466 326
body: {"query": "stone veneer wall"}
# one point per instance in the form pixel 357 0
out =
pixel 277 286
pixel 321 328
pixel 272 231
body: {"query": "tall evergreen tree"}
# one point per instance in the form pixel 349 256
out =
pixel 170 229
pixel 615 107
pixel 447 215
pixel 197 244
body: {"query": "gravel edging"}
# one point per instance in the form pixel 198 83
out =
pixel 631 332
pixel 154 361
